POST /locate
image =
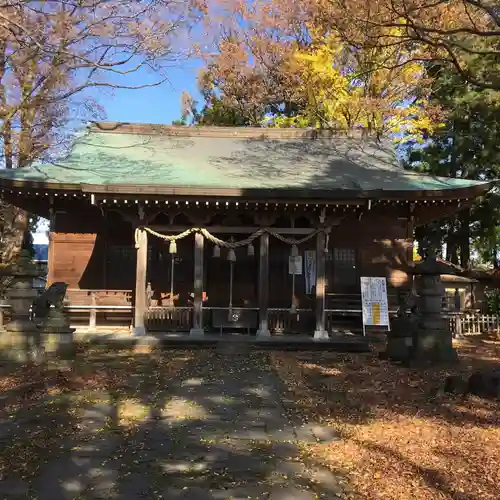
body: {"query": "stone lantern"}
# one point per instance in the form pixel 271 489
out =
pixel 424 336
pixel 23 336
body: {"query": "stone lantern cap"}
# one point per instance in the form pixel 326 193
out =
pixel 431 266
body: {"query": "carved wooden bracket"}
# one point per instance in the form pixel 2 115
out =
pixel 265 218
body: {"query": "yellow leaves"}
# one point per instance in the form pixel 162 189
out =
pixel 291 121
pixel 321 85
pixel 370 89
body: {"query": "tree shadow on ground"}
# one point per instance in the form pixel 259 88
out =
pixel 434 479
pixel 366 384
pixel 394 433
pixel 138 429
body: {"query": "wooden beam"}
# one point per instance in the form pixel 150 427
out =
pixel 320 332
pixel 290 195
pixel 140 282
pixel 263 285
pixel 197 328
pixel 233 229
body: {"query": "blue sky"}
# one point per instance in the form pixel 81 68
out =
pixel 159 104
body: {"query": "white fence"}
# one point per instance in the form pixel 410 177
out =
pixel 472 323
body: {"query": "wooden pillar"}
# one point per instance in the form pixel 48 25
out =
pixel 263 330
pixel 320 332
pixel 140 282
pixel 410 227
pixel 197 328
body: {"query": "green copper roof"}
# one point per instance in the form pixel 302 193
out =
pixel 231 160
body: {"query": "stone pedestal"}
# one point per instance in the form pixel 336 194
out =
pixel 400 339
pixel 321 335
pixel 263 332
pixel 196 332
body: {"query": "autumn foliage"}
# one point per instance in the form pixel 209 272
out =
pixel 344 65
pixel 277 64
pixel 53 53
pixel 397 442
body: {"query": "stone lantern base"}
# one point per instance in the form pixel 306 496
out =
pixel 57 334
pixel 27 341
pixel 407 343
pixel 434 346
pixel 22 341
pixel 413 339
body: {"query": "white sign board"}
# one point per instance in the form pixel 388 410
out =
pixel 374 301
pixel 295 264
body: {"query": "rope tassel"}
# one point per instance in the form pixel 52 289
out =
pixel 172 247
pixel 216 254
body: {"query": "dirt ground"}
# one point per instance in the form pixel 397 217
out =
pixel 397 441
pixel 40 406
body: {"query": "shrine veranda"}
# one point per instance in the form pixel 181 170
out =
pixel 210 229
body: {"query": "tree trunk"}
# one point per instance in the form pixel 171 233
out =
pixel 453 258
pixel 465 239
pixel 452 248
pixel 15 226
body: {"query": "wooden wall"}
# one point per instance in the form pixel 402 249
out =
pixel 76 249
pixel 72 259
pixel 102 256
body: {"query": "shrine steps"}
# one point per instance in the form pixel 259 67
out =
pixel 338 343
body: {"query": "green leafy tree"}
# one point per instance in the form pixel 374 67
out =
pixel 466 146
pixel 214 111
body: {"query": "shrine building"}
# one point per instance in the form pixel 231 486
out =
pixel 209 229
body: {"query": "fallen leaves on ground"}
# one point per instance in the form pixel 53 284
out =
pixel 40 405
pixel 397 441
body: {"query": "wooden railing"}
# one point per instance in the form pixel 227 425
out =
pixel 281 320
pixel 169 319
pixel 88 297
pixel 345 304
pixel 115 305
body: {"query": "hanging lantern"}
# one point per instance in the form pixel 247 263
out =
pixel 250 250
pixel 172 247
pixel 231 256
pixel 216 254
pixel 295 251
